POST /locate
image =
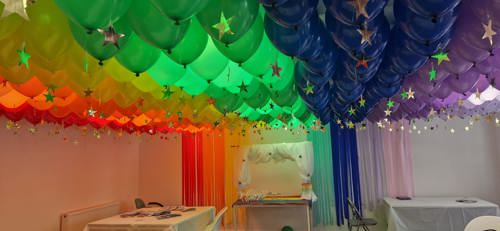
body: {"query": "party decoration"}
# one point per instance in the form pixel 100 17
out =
pixel 167 93
pixel 23 57
pixel 110 36
pixel 49 97
pixel 223 26
pixel 94 14
pixel 432 74
pixel 488 32
pixel 365 35
pixel 179 11
pixel 309 89
pixel 276 69
pixel 243 87
pixel 360 6
pixel 362 102
pixel 440 57
pixel 15 7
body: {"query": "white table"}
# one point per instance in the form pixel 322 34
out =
pixel 188 221
pixel 435 213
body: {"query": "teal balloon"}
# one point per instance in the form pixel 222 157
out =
pixel 166 72
pixel 93 42
pixel 138 56
pixel 243 48
pixel 179 10
pixel 240 15
pixel 94 14
pixel 191 46
pixel 153 27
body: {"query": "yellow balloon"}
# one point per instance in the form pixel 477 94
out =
pixel 145 83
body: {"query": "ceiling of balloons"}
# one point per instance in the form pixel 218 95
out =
pixel 164 65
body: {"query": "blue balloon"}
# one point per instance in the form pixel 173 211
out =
pixel 302 76
pixel 431 8
pixel 272 2
pixel 345 11
pixel 292 13
pixel 428 48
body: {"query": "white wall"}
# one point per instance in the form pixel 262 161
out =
pixel 464 163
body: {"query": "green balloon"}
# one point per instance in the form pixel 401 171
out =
pixel 153 27
pixel 262 59
pixel 230 102
pixel 192 83
pixel 137 56
pixel 285 97
pixel 254 86
pixel 94 14
pixel 239 15
pixel 210 64
pixel 243 48
pixel 286 75
pixel 179 10
pixel 93 42
pixel 287 228
pixel 215 92
pixel 232 77
pixel 166 72
pixel 191 46
pixel 259 98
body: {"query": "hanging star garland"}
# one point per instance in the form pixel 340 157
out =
pixel 477 93
pixel 223 26
pixel 411 93
pixel 350 125
pixel 15 7
pixel 390 104
pixel 387 112
pixel 362 102
pixel 432 113
pixel 91 112
pixel 276 69
pixel 243 87
pixel 360 6
pixel 380 124
pixel 49 97
pixel 362 62
pixel 432 74
pixel 440 57
pixel 489 32
pixel 23 58
pixel 366 35
pixel 167 93
pixel 404 94
pixel 351 111
pixel 338 121
pixel 111 36
pixel 309 89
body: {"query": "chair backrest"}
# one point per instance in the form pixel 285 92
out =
pixel 355 211
pixel 214 226
pixel 483 223
pixel 139 203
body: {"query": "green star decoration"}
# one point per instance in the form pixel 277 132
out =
pixel 309 89
pixel 352 111
pixel 404 94
pixel 441 56
pixel 362 102
pixel 390 104
pixel 23 58
pixel 224 25
pixel 49 97
pixel 432 74
pixel 243 87
pixel 167 93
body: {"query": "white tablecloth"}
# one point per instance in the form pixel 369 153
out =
pixel 435 213
pixel 188 221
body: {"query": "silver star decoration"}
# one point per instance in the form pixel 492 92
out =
pixel 110 36
pixel 15 7
pixel 91 112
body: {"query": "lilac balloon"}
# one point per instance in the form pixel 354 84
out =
pixel 442 91
pixel 463 82
pixel 458 65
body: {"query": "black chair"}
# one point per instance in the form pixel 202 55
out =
pixel 358 220
pixel 139 204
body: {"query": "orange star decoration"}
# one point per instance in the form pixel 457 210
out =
pixel 488 32
pixel 362 62
pixel 360 6
pixel 276 69
pixel 224 25
pixel 366 35
pixel 211 101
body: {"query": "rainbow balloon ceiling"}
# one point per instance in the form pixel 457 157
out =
pixel 177 65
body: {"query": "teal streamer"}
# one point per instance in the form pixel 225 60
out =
pixel 322 178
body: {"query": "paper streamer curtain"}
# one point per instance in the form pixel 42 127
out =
pixel 345 170
pixel 322 179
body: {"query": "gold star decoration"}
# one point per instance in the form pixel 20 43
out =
pixel 380 124
pixel 223 26
pixel 387 112
pixel 432 113
pixel 15 7
pixel 366 35
pixel 360 6
pixel 23 58
pixel 111 36
pixel 362 102
pixel 309 89
pixel 339 121
pixel 350 125
pixel 440 57
pixel 276 69
pixel 411 93
pixel 477 93
pixel 488 32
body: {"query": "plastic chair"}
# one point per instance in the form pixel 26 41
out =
pixel 484 223
pixel 214 226
pixel 358 220
pixel 139 204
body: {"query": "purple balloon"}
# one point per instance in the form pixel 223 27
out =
pixel 463 82
pixel 458 65
pixel 442 92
